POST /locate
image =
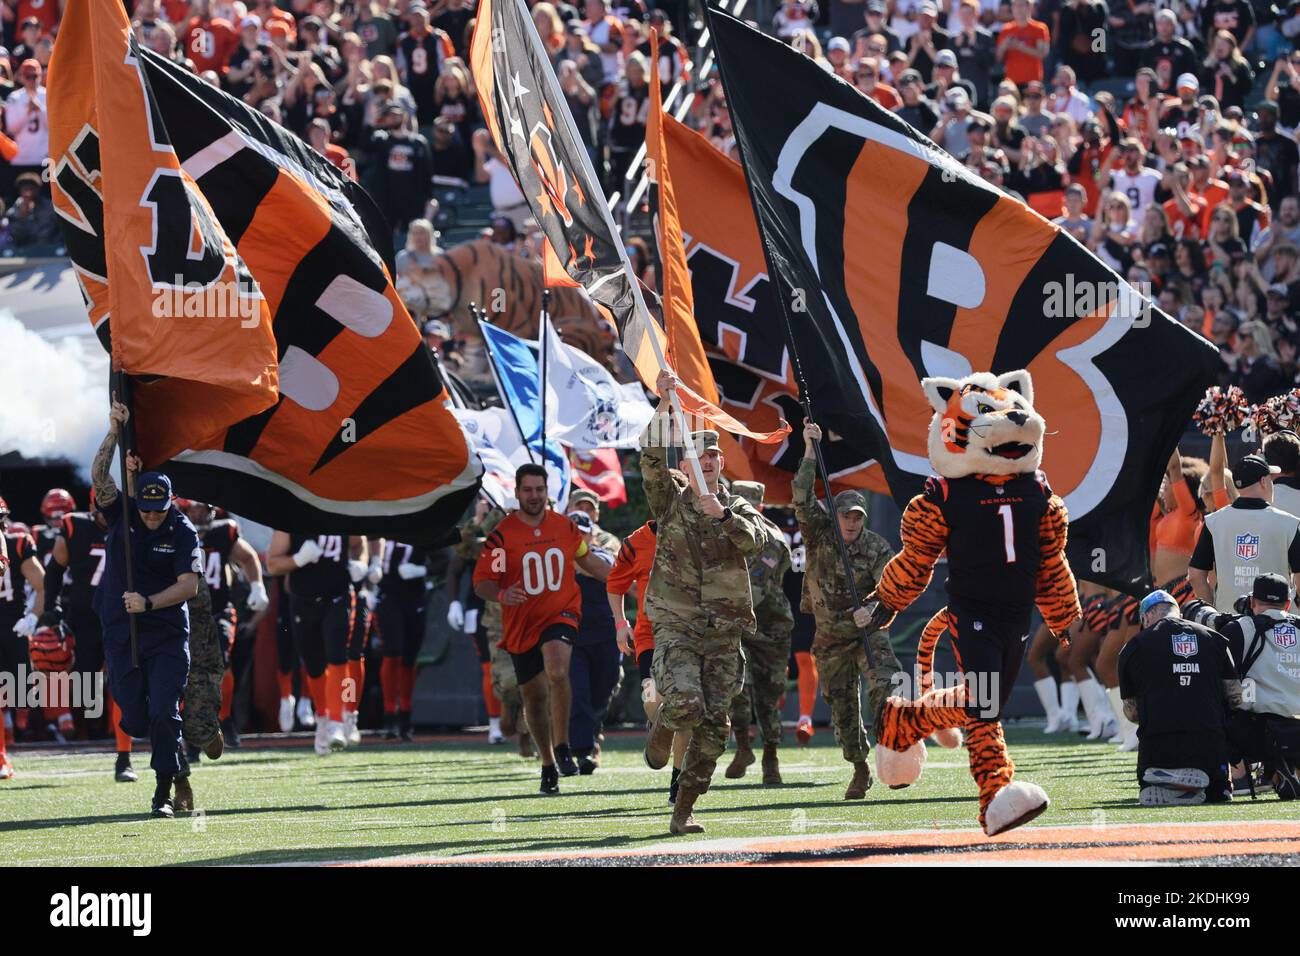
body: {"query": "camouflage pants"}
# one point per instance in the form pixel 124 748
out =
pixel 698 676
pixel 841 664
pixel 202 714
pixel 766 659
pixel 506 686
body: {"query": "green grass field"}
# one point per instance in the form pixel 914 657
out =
pixel 281 804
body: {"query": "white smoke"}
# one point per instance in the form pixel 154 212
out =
pixel 53 395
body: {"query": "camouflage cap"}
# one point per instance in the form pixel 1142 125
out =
pixel 706 440
pixel 751 491
pixel 579 495
pixel 850 500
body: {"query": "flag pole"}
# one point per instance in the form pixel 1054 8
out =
pixel 543 327
pixel 552 82
pixel 496 376
pixel 787 330
pixel 125 440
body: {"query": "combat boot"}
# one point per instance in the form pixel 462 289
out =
pixel 683 820
pixel 658 743
pixel 744 757
pixel 771 767
pixel 216 746
pixel 860 783
pixel 184 800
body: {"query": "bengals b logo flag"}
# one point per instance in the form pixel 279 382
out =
pixel 892 263
pixel 242 282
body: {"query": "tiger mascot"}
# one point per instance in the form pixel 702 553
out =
pixel 1004 531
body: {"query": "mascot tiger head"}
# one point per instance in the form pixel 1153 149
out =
pixel 984 424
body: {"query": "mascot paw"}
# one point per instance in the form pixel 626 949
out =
pixel 898 769
pixel 949 739
pixel 1015 804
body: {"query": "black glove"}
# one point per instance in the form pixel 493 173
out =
pixel 881 615
pixel 51 618
pixel 1242 605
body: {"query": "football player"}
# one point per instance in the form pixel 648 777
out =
pixel 321 571
pixel 403 601
pixel 527 565
pixel 20 570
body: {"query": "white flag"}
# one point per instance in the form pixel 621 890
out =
pixel 495 437
pixel 585 407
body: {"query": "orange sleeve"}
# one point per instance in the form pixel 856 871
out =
pixel 623 574
pixel 8 148
pixel 1220 498
pixel 925 534
pixel 483 570
pixel 448 48
pixel 1183 496
pixel 1058 597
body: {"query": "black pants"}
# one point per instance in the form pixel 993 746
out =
pixel 401 625
pixel 989 653
pixel 594 669
pixel 321 630
pixel 360 629
pixel 83 622
pixel 1254 737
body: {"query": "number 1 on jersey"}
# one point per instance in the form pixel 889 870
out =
pixel 1008 533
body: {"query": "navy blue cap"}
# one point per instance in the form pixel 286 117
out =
pixel 153 491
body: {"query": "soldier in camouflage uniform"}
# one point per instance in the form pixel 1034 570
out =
pixel 700 604
pixel 504 683
pixel 767 651
pixel 838 646
pixel 201 716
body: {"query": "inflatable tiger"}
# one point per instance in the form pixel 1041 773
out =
pixel 509 287
pixel 992 511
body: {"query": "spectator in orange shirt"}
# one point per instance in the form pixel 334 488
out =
pixel 1213 191
pixel 867 79
pixel 1186 209
pixel 47 12
pixel 209 41
pixel 1023 44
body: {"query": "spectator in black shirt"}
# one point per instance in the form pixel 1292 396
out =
pixel 916 109
pixel 976 51
pixel 1256 371
pixel 451 158
pixel 1169 55
pixel 454 19
pixel 1178 680
pixel 1132 31
pixel 1276 153
pixel 924 46
pixel 248 56
pixel 1081 38
pixel 401 169
pixel 875 20
pixel 32 220
pixel 1235 16
pixel 1225 74
pixel 313 39
pixel 1284 89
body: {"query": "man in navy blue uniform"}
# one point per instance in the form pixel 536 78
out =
pixel 167 561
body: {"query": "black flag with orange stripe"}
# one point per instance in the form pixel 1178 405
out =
pixel 893 262
pixel 242 282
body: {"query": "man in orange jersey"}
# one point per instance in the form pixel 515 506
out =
pixel 632 566
pixel 527 565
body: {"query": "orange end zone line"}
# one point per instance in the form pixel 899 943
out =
pixel 1149 841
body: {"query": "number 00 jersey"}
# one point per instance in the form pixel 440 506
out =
pixel 541 561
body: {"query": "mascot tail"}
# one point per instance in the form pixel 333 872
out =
pixel 949 737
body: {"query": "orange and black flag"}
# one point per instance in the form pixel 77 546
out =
pixel 242 283
pixel 739 320
pixel 893 262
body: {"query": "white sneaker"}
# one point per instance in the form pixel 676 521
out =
pixel 334 736
pixel 286 714
pixel 350 730
pixel 1177 778
pixel 1169 797
pixel 1069 724
pixel 322 743
pixel 1117 737
pixel 496 737
pixel 306 716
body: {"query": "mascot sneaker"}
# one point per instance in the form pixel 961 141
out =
pixel 1014 805
pixel 1169 797
pixel 899 769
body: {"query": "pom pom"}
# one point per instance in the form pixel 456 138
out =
pixel 1222 410
pixel 1277 414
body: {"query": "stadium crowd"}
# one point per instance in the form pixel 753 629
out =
pixel 1160 136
